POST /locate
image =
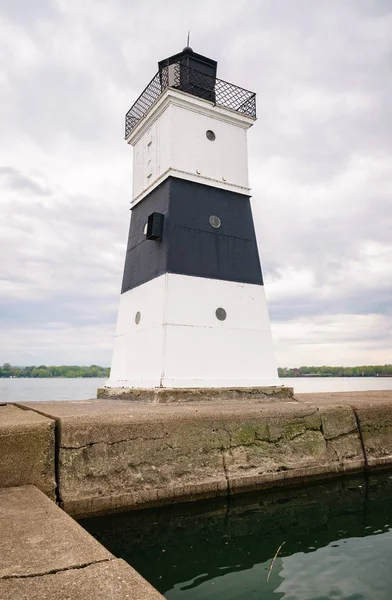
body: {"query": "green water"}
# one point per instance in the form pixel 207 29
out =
pixel 337 544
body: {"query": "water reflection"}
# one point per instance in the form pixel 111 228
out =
pixel 338 543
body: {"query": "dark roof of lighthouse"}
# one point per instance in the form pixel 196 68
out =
pixel 192 60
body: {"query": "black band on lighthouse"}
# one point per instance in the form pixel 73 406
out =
pixel 207 232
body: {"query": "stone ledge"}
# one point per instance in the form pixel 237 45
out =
pixel 110 580
pixel 27 448
pixel 44 553
pixel 37 537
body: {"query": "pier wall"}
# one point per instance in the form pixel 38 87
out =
pixel 107 455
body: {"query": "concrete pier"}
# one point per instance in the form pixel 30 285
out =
pixel 106 455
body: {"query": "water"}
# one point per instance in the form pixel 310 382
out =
pixel 22 390
pixel 337 544
pixel 304 385
pixel 25 389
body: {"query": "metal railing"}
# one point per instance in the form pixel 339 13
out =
pixel 183 78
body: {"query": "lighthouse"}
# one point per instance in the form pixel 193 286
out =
pixel 193 312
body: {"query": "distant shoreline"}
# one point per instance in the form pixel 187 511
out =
pixel 280 377
pixel 8 371
pixel 55 377
pixel 329 371
pixel 334 376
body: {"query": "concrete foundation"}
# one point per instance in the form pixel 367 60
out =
pixel 181 395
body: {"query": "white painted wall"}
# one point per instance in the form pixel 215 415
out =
pixel 137 359
pixel 138 348
pixel 152 152
pixel 223 159
pixel 218 357
pixel 179 342
pixel 175 143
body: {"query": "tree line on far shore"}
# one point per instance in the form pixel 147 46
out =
pixel 364 371
pixel 96 371
pixel 60 371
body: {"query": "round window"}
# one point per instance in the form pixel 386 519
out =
pixel 220 314
pixel 210 135
pixel 215 221
pixel 138 316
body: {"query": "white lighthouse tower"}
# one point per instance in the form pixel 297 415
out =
pixel 192 311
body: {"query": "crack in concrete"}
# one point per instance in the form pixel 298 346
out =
pixel 248 444
pixel 340 435
pixel 132 439
pixel 294 436
pixel 317 409
pixel 225 471
pixel 224 464
pixel 229 435
pixel 54 571
pixel 359 428
pixel 57 471
pixel 258 441
pixel 329 445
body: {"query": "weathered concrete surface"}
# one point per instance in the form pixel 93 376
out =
pixel 325 441
pixel 164 395
pixel 354 399
pixel 373 412
pixel 110 580
pixel 37 537
pixel 26 449
pixel 375 421
pixel 44 554
pixel 116 455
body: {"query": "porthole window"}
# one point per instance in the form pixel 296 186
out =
pixel 210 135
pixel 220 314
pixel 138 316
pixel 215 221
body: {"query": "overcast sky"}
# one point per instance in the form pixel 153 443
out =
pixel 320 165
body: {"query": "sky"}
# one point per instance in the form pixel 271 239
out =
pixel 320 161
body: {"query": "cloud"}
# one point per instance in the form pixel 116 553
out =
pixel 338 339
pixel 320 166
